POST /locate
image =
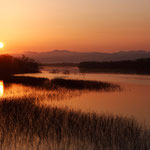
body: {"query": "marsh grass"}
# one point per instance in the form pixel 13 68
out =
pixel 31 81
pixel 19 91
pixel 84 85
pixel 57 83
pixel 24 125
pixel 55 89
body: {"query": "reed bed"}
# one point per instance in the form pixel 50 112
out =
pixel 25 125
pixel 63 83
pixel 83 84
pixel 19 91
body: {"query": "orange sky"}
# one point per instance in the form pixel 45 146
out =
pixel 78 25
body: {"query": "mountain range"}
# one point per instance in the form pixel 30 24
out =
pixel 61 56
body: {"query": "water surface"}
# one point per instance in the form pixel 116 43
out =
pixel 133 100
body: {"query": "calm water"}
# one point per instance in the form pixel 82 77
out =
pixel 132 101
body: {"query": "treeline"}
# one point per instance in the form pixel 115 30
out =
pixel 138 66
pixel 61 64
pixel 11 65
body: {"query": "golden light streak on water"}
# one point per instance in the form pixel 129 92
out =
pixel 1 88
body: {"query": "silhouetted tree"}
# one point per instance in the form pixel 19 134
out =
pixel 12 65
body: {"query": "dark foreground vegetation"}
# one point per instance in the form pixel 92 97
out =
pixel 10 65
pixel 26 125
pixel 138 66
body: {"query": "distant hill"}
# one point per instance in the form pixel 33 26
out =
pixel 60 56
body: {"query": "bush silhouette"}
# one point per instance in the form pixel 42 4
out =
pixel 12 65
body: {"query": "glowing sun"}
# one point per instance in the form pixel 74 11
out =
pixel 1 45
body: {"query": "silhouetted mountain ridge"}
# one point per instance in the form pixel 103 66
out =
pixel 60 56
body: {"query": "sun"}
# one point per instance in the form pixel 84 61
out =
pixel 1 44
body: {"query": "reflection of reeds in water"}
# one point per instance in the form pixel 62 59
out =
pixel 28 126
pixel 19 91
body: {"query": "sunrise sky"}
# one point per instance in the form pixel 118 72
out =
pixel 77 25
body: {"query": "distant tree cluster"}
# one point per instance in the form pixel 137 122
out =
pixel 12 65
pixel 139 66
pixel 62 64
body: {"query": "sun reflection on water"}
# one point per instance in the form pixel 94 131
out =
pixel 1 88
